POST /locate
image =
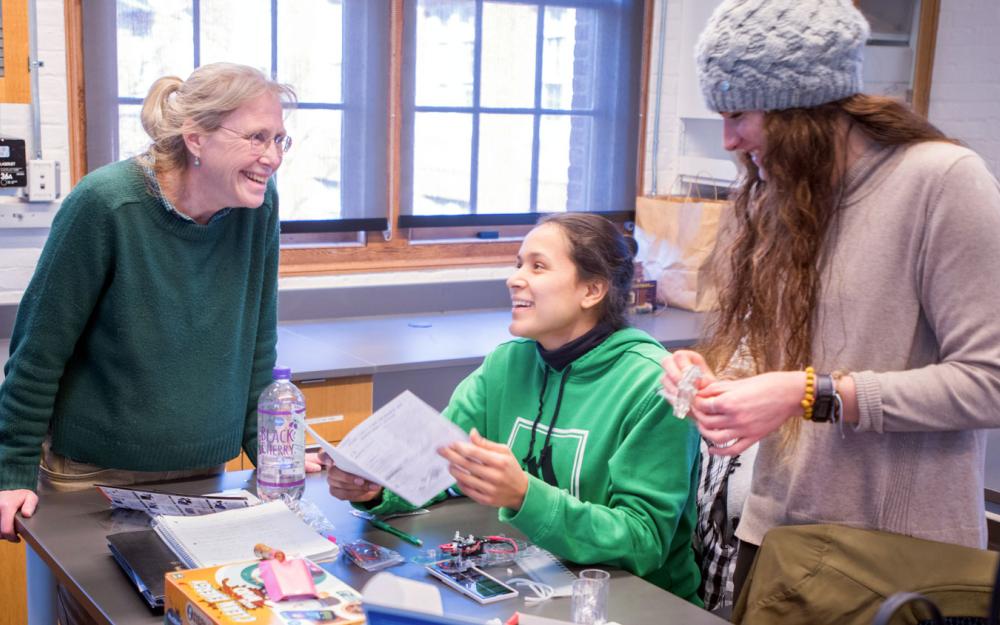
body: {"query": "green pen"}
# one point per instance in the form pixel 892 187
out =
pixel 385 527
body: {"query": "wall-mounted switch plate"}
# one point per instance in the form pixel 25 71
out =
pixel 43 181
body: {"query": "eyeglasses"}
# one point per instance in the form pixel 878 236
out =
pixel 259 142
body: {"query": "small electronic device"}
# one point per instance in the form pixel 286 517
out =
pixel 471 581
pixel 486 548
pixel 309 615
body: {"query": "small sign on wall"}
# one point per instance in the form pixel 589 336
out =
pixel 13 166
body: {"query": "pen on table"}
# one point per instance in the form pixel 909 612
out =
pixel 385 527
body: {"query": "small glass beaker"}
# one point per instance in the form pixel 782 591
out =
pixel 590 597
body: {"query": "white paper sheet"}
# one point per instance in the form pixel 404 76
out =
pixel 156 502
pixel 397 448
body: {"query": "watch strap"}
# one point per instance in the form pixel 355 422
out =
pixel 825 407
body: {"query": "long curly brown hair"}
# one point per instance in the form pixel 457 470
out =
pixel 767 262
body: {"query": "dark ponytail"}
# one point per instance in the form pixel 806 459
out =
pixel 599 252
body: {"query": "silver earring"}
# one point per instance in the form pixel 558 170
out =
pixel 197 162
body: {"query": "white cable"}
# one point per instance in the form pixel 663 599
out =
pixel 543 592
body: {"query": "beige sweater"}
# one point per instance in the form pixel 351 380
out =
pixel 911 306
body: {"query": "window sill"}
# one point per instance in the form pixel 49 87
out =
pixel 395 255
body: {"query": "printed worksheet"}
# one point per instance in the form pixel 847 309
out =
pixel 158 502
pixel 397 448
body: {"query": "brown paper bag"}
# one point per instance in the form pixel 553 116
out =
pixel 676 234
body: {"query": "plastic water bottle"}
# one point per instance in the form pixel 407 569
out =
pixel 281 438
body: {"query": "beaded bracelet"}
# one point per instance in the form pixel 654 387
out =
pixel 809 397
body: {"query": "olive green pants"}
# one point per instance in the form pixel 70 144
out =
pixel 811 574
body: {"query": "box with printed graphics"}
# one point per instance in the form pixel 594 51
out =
pixel 234 594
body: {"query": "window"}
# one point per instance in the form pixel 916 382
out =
pixel 413 115
pixel 515 108
pixel 333 52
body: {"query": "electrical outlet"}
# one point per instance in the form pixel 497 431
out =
pixel 43 181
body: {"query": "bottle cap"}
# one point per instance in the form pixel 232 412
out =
pixel 281 373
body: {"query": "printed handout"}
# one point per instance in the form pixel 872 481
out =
pixel 397 448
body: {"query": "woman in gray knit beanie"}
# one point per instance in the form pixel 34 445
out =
pixel 851 289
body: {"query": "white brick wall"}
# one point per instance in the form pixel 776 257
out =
pixel 662 123
pixel 965 88
pixel 52 83
pixel 19 249
pixel 15 119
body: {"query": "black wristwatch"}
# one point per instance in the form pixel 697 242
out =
pixel 827 407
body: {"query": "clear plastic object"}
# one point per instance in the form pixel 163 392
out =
pixel 426 556
pixel 371 557
pixel 686 390
pixel 313 516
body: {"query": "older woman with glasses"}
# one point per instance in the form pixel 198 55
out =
pixel 149 327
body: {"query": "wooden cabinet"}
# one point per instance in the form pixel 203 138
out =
pixel 333 407
pixel 12 584
pixel 236 464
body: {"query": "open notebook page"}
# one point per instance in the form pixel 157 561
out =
pixel 230 536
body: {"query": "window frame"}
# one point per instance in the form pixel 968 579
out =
pixel 598 112
pixel 360 125
pixel 387 250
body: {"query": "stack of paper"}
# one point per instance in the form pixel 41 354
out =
pixel 230 536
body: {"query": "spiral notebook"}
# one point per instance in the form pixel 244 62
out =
pixel 541 566
pixel 230 536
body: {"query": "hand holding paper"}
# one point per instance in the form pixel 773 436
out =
pixel 350 487
pixel 397 448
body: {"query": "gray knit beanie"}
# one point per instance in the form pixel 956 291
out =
pixel 779 54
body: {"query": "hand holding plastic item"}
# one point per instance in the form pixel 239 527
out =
pixel 685 373
pixel 687 388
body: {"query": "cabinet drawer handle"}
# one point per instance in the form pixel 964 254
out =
pixel 328 419
pixel 311 381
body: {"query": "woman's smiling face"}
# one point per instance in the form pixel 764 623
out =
pixel 550 304
pixel 744 132
pixel 226 157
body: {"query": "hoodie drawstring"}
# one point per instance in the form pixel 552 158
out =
pixel 544 461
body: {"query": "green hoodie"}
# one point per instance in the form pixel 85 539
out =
pixel 625 470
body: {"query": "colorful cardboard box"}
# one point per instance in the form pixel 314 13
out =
pixel 234 594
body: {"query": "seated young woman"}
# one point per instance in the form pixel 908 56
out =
pixel 569 438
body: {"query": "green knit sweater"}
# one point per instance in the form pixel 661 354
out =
pixel 143 339
pixel 626 471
